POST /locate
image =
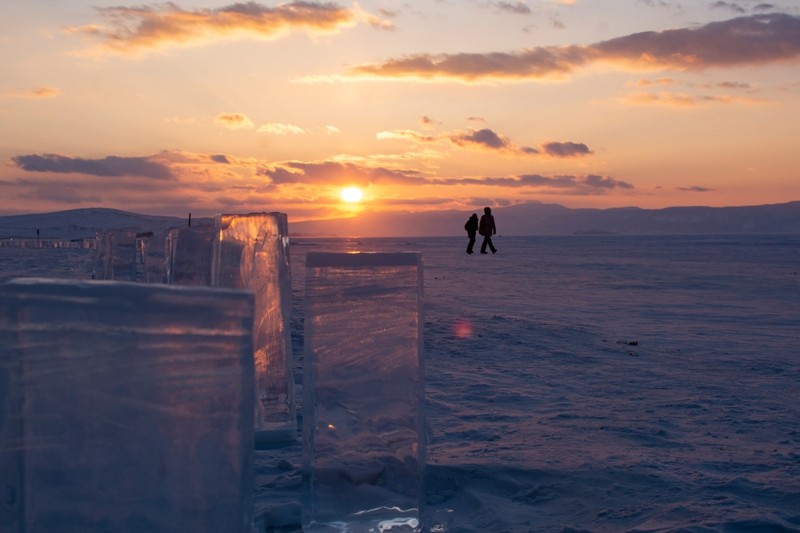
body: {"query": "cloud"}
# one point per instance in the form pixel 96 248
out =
pixel 764 7
pixel 568 184
pixel 181 120
pixel 648 83
pixel 695 188
pixel 518 8
pixel 488 140
pixel 111 166
pixel 749 40
pixel 61 194
pixel 276 128
pixel 535 63
pixel 408 135
pixel 730 6
pixel 670 99
pixel 752 40
pixel 36 93
pixel 234 121
pixel 656 3
pixel 143 28
pixel 209 183
pixel 427 122
pixel 733 85
pixel 336 173
pixel 566 149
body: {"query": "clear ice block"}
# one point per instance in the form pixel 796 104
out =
pixel 125 407
pixel 252 252
pixel 129 255
pixel 116 255
pixel 189 255
pixel 363 393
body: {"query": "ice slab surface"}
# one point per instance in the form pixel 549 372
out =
pixel 125 407
pixel 251 251
pixel 363 435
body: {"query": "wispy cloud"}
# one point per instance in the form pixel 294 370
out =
pixel 647 83
pixel 60 194
pixel 750 40
pixel 35 93
pixel 138 29
pixel 568 184
pixel 337 173
pixel 695 188
pixel 517 8
pixel 276 128
pixel 674 99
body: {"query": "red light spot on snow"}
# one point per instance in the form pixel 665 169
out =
pixel 462 328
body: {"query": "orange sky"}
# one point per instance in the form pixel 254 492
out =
pixel 211 107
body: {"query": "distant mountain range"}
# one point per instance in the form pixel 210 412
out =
pixel 523 219
pixel 552 219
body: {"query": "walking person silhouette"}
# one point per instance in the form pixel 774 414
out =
pixel 472 229
pixel 487 228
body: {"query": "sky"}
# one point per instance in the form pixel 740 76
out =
pixel 213 106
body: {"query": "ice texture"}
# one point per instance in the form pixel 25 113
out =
pixel 363 417
pixel 125 407
pixel 251 251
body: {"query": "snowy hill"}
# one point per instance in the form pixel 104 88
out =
pixel 81 223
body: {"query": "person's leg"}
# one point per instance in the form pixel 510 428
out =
pixel 483 244
pixel 491 246
pixel 471 244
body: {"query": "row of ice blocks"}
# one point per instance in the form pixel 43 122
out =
pixel 246 251
pixel 363 418
pixel 125 407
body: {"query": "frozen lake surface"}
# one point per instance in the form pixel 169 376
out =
pixel 585 383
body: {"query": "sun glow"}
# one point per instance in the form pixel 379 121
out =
pixel 352 195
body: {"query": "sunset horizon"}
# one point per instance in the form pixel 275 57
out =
pixel 326 110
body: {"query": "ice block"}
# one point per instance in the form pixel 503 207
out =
pixel 363 393
pixel 125 407
pixel 116 255
pixel 129 255
pixel 252 252
pixel 188 255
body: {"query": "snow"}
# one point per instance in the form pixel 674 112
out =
pixel 584 383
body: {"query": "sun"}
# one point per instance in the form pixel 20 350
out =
pixel 351 195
